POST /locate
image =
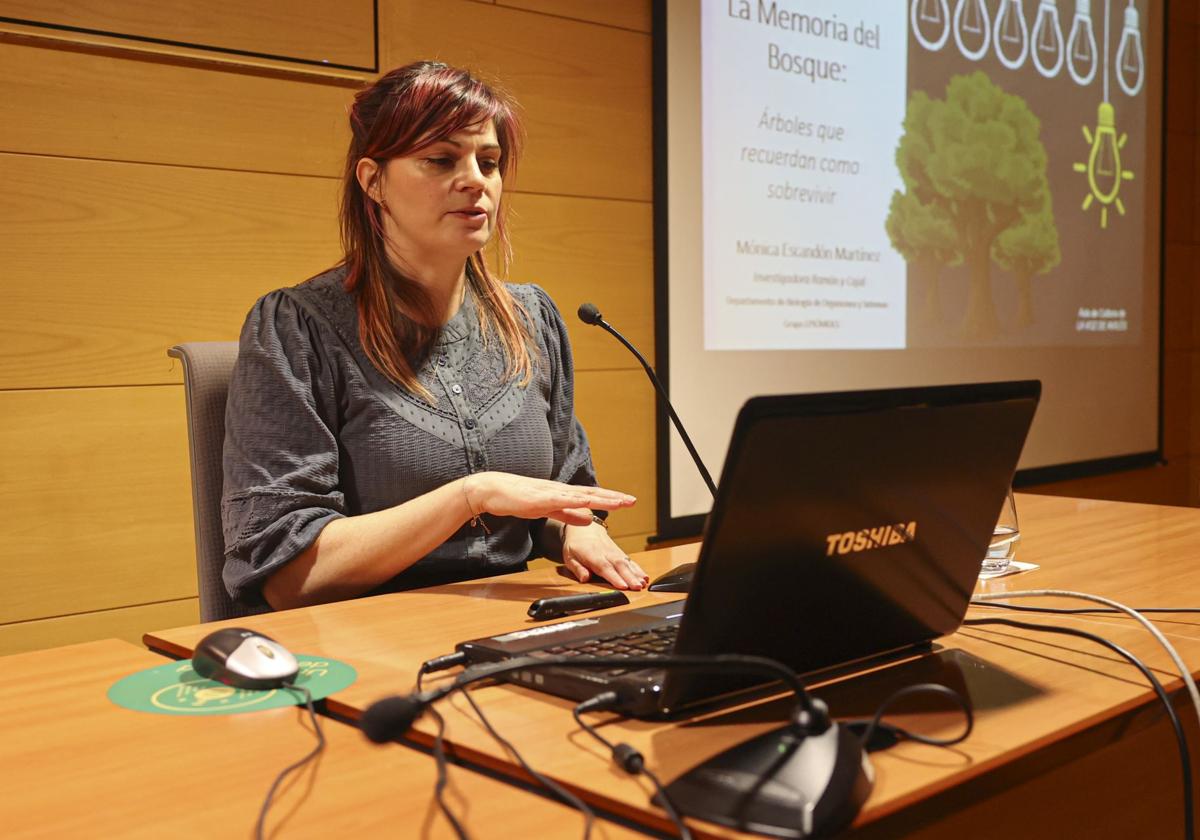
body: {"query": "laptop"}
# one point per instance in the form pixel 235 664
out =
pixel 846 526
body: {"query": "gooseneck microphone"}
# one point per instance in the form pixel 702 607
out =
pixel 589 314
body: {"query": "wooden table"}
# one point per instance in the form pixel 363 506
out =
pixel 76 765
pixel 1068 739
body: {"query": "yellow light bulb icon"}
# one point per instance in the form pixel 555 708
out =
pixel 1103 167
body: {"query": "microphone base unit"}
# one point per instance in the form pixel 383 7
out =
pixel 780 784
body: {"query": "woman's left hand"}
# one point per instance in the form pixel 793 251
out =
pixel 588 550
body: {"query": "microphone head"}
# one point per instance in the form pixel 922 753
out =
pixel 589 314
pixel 391 717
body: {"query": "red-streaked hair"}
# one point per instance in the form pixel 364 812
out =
pixel 403 112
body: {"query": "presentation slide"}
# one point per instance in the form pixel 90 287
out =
pixel 814 205
pixel 798 176
pixel 870 194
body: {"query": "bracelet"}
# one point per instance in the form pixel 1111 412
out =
pixel 476 518
pixel 598 520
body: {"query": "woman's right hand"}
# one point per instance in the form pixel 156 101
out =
pixel 506 494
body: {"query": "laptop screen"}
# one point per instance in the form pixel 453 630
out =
pixel 849 524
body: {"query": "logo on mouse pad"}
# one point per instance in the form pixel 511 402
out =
pixel 174 688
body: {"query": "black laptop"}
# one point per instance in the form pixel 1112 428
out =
pixel 846 526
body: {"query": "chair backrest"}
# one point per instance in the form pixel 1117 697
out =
pixel 207 367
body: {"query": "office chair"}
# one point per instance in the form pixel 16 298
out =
pixel 207 367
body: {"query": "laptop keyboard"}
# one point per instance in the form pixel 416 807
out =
pixel 657 641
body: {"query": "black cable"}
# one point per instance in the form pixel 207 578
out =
pixel 439 747
pixel 439 787
pixel 390 717
pixel 312 714
pixel 441 663
pixel 668 805
pixel 554 787
pixel 1180 738
pixel 394 715
pixel 1081 610
pixel 935 688
pixel 450 660
pixel 627 757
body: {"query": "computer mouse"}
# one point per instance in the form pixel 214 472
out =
pixel 678 579
pixel 244 659
pixel 781 784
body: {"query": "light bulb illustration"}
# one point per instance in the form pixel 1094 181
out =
pixel 1047 47
pixel 1081 45
pixel 1131 60
pixel 972 25
pixel 931 16
pixel 1012 35
pixel 1103 167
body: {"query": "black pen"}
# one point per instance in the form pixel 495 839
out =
pixel 545 608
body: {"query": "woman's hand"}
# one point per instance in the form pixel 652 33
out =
pixel 505 494
pixel 588 549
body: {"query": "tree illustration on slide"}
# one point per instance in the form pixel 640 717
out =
pixel 923 235
pixel 975 156
pixel 1025 250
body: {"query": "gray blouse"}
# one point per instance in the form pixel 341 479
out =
pixel 314 432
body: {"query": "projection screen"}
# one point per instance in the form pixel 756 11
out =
pixel 860 194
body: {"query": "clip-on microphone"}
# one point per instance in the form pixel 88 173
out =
pixel 678 579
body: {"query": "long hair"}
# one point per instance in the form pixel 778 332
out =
pixel 403 112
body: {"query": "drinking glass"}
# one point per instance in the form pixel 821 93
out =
pixel 1005 537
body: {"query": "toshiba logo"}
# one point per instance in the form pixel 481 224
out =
pixel 869 538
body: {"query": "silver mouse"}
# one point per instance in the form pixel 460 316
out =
pixel 243 658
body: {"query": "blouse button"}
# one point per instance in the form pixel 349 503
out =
pixel 456 389
pixel 469 422
pixel 441 361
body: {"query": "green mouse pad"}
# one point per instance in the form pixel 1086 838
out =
pixel 176 689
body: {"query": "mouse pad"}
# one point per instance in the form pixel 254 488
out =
pixel 176 689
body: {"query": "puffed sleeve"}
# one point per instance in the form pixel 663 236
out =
pixel 572 455
pixel 281 451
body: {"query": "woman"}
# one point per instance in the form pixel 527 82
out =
pixel 406 419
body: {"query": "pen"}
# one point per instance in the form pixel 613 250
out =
pixel 544 608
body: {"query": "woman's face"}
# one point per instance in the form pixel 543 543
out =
pixel 441 202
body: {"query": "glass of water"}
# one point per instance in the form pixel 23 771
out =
pixel 1005 537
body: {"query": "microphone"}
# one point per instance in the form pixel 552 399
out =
pixel 678 579
pixel 389 718
pixel 822 763
pixel 589 314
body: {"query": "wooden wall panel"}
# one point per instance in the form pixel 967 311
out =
pixel 128 623
pixel 97 501
pixel 590 250
pixel 616 408
pixel 585 89
pixel 1172 483
pixel 201 245
pixel 1177 398
pixel 92 106
pixel 308 30
pixel 627 14
pixel 631 543
pixel 150 198
pixel 109 264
